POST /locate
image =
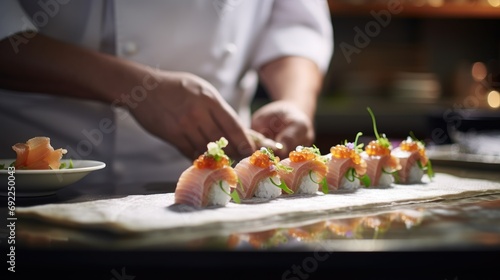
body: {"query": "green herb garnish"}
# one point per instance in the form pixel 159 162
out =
pixel 382 140
pixel 282 186
pixel 215 149
pixel 358 148
pixel 324 186
pixel 350 175
pixel 234 194
pixel 314 150
pixel 365 179
pixel 63 165
pixel 275 160
pixel 322 183
pixel 428 166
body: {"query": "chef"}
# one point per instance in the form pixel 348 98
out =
pixel 144 85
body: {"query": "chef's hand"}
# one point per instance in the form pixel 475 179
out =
pixel 188 112
pixel 284 122
pixel 177 107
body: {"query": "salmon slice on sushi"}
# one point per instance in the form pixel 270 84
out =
pixel 210 181
pixel 346 167
pixel 380 164
pixel 258 175
pixel 309 171
pixel 414 162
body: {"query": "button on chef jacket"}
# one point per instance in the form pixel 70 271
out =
pixel 222 41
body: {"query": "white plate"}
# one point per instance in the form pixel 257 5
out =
pixel 45 182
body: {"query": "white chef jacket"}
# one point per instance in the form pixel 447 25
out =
pixel 222 41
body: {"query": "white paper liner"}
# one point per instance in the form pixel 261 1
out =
pixel 145 213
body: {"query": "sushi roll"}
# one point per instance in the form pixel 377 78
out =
pixel 346 167
pixel 309 171
pixel 258 175
pixel 380 164
pixel 414 162
pixel 210 180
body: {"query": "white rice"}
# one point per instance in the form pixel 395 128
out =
pixel 266 189
pixel 348 185
pixel 385 180
pixel 415 175
pixel 308 186
pixel 218 197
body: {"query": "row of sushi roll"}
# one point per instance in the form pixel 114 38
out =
pixel 214 179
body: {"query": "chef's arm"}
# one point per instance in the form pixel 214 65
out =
pixel 178 107
pixel 294 84
pixel 294 79
pixel 47 65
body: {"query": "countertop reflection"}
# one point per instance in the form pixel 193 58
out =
pixel 465 231
pixel 448 224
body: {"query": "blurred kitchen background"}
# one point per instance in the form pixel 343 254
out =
pixel 427 66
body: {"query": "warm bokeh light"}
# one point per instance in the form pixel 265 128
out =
pixel 494 3
pixel 479 71
pixel 436 3
pixel 494 99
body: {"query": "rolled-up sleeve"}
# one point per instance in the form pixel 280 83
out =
pixel 14 19
pixel 297 28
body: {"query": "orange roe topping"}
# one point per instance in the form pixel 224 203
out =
pixel 374 148
pixel 342 151
pixel 296 156
pixel 260 159
pixel 209 162
pixel 412 146
pixel 409 146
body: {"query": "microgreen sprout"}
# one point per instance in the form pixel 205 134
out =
pixel 358 148
pixel 215 149
pixel 275 160
pixel 420 143
pixel 313 150
pixel 382 140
